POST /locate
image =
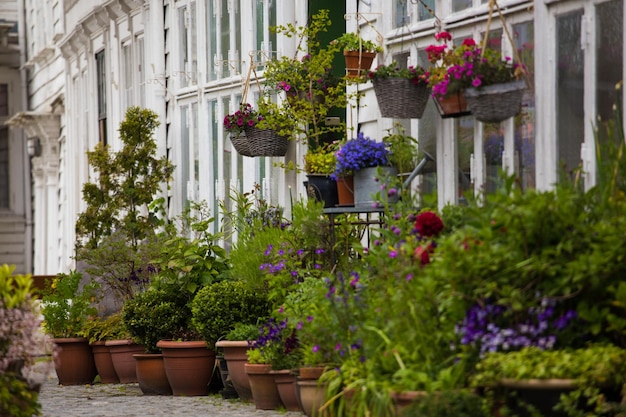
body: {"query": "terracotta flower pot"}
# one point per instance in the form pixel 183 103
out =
pixel 286 385
pixel 235 353
pixel 358 63
pixel 452 105
pixel 189 366
pixel 151 374
pixel 122 352
pixel 74 361
pixel 263 386
pixel 345 191
pixel 311 396
pixel 402 400
pixel 104 363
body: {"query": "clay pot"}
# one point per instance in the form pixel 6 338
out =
pixel 151 374
pixel 286 385
pixel 235 353
pixel 74 361
pixel 122 352
pixel 264 391
pixel 104 363
pixel 189 366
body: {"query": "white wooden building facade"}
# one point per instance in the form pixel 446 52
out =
pixel 86 61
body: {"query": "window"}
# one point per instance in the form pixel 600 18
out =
pixel 141 74
pixel 187 70
pixel 223 38
pixel 265 18
pixel 102 102
pixel 524 141
pixel 133 76
pixel 609 55
pixel 4 99
pixel 401 13
pixel 570 90
pixel 4 168
pixel 128 76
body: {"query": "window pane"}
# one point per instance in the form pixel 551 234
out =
pixel 524 157
pixel 224 38
pixel 183 169
pixel 211 40
pixel 128 76
pixel 4 99
pixel 213 174
pixel 192 75
pixel 427 141
pixel 465 148
pixel 401 13
pixel 458 5
pixel 183 63
pixel 570 78
pixel 4 167
pixel 141 74
pixel 609 64
pixel 424 12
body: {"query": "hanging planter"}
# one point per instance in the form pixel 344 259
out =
pixel 452 105
pixel 240 143
pixel 266 142
pixel 358 62
pixel 497 102
pixel 401 98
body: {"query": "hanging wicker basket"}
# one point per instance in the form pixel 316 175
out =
pixel 240 143
pixel 497 102
pixel 266 142
pixel 401 98
pixel 452 105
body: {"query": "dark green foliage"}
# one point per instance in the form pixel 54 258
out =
pixel 218 307
pixel 17 399
pixel 458 403
pixel 157 314
pixel 126 184
pixel 243 331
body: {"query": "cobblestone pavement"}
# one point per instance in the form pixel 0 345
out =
pixel 127 400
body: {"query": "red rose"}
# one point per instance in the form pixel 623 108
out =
pixel 428 224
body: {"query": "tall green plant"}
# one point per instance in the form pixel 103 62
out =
pixel 123 196
pixel 307 79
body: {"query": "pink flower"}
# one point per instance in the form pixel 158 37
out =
pixel 476 82
pixel 469 42
pixel 443 35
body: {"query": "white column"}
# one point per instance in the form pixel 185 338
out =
pixel 447 164
pixel 39 197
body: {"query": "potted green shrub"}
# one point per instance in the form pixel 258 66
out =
pixel 66 306
pixel 591 377
pixel 21 342
pixel 189 260
pixel 359 53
